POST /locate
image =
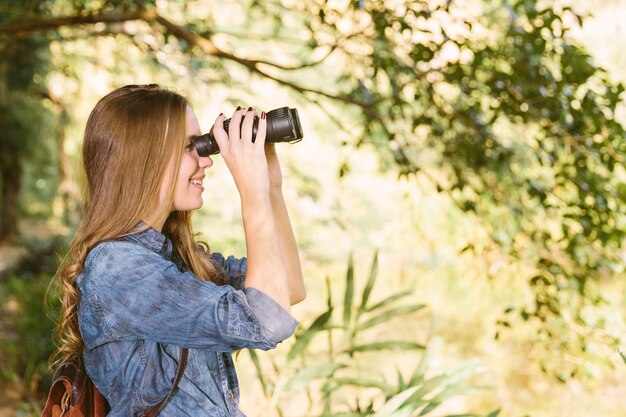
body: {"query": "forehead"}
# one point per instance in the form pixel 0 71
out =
pixel 191 122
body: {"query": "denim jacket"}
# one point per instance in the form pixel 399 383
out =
pixel 138 308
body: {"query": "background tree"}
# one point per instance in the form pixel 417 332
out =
pixel 24 120
pixel 491 102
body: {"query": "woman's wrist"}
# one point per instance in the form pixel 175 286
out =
pixel 256 201
pixel 276 190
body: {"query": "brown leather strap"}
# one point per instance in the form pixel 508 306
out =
pixel 182 364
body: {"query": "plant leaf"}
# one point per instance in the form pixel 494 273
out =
pixel 401 383
pixel 449 380
pixel 304 339
pixel 353 414
pixel 420 372
pixel 388 345
pixel 464 371
pixel 304 377
pixel 389 300
pixel 427 387
pixel 395 402
pixel 369 285
pixel 365 383
pixel 349 294
pixel 405 411
pixel 447 393
pixel 462 415
pixel 259 371
pixel 329 300
pixel 390 314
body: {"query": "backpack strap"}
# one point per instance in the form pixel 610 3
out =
pixel 73 393
pixel 182 364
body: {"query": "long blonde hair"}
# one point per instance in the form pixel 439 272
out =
pixel 131 137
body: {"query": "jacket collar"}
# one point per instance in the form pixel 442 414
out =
pixel 153 240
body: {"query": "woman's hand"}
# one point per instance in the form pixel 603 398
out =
pixel 245 159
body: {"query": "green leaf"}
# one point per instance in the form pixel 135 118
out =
pixel 304 377
pixel 305 338
pixel 388 345
pixel 420 372
pixel 259 371
pixel 350 414
pixel 389 300
pixel 462 415
pixel 447 393
pixel 428 386
pixel 329 300
pixel 405 411
pixel 349 294
pixel 450 379
pixel 401 383
pixel 494 413
pixel 622 355
pixel 369 285
pixel 395 402
pixel 390 314
pixel 464 371
pixel 365 383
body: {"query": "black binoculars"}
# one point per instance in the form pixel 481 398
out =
pixel 283 125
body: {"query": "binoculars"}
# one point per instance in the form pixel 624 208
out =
pixel 283 125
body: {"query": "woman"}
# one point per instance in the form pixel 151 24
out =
pixel 137 288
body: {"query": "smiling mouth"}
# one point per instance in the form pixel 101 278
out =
pixel 197 182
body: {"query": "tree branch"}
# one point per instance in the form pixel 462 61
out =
pixel 149 15
pixel 36 25
pixel 253 65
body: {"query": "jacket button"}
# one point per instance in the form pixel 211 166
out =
pixel 231 395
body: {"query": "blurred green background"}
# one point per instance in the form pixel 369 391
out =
pixel 458 198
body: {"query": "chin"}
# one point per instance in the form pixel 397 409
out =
pixel 189 206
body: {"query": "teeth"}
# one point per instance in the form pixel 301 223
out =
pixel 197 182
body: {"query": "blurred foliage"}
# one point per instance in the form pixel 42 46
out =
pixel 490 101
pixel 23 111
pixel 26 343
pixel 27 313
pixel 330 357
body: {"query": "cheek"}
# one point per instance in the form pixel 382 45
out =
pixel 188 167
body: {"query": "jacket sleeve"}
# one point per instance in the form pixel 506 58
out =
pixel 235 269
pixel 130 293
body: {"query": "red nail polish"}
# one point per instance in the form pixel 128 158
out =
pixel 262 115
pixel 250 109
pixel 238 108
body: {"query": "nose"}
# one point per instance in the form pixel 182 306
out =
pixel 205 161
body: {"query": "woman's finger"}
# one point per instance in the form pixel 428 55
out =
pixel 220 135
pixel 234 129
pixel 246 126
pixel 262 130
